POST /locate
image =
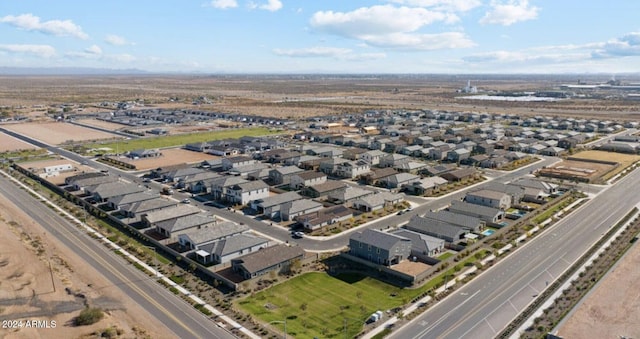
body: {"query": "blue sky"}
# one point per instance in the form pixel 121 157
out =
pixel 329 36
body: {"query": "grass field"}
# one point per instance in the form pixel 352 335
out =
pixel 181 139
pixel 316 304
pixel 625 160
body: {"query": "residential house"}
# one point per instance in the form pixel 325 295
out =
pixel 251 172
pixel 82 182
pixel 106 191
pixel 144 153
pixel 424 186
pixel 323 190
pixel 225 250
pixel 490 215
pixel 552 151
pixel 348 195
pixel 546 187
pixel 197 237
pixel 422 245
pixel 468 222
pixel 245 192
pixel 324 217
pixel 378 201
pixel 307 178
pixel 292 209
pixel 116 202
pixel 458 155
pixel 377 175
pixel 485 197
pixel 379 247
pixel 354 154
pixel 270 206
pixel 138 208
pixel 196 183
pixel 151 218
pixel 175 174
pixel 70 180
pixel 438 169
pixel 220 186
pixel 282 175
pixel 277 258
pixel 398 180
pixel 393 160
pixel 459 174
pixel 372 157
pixel 351 169
pixel 171 227
pixel 435 228
pixel 237 161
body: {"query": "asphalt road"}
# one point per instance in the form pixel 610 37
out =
pixel 183 319
pixel 484 306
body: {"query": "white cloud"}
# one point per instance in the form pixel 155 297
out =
pixel 271 5
pixel 117 40
pixel 328 52
pixel 510 12
pixel 94 49
pixel 224 4
pixel 91 52
pixel 627 45
pixel 44 51
pixel 442 5
pixel 30 22
pixel 391 27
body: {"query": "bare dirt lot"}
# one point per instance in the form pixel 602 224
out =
pixel 103 124
pixel 10 144
pixel 611 310
pixel 38 167
pixel 170 157
pixel 58 132
pixel 27 286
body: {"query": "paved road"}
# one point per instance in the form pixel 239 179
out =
pixel 184 320
pixel 483 307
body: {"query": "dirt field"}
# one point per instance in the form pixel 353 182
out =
pixel 39 166
pixel 10 144
pixel 302 95
pixel 172 156
pixel 57 132
pixel 612 310
pixel 112 126
pixel 26 286
pixel 623 159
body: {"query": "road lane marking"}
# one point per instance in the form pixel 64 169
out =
pixel 421 333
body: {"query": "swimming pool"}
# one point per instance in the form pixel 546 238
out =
pixel 488 232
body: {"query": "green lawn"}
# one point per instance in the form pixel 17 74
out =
pixel 181 139
pixel 445 256
pixel 327 301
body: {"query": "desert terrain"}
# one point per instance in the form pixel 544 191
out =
pixel 56 133
pixel 10 144
pixel 27 286
pixel 611 310
pixel 296 96
pixel 169 157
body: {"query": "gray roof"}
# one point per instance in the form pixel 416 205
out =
pixel 462 220
pixel 377 238
pixel 380 198
pixel 181 172
pixel 234 244
pixel 308 175
pixel 350 193
pixel 296 206
pixel 131 198
pixel 227 181
pixel 114 189
pixel 288 170
pixel 208 175
pixel 483 212
pixel 213 231
pixel 328 186
pixel 170 213
pixel 279 199
pixel 185 222
pixel 250 186
pixel 92 181
pixel 268 257
pixel 435 227
pixel 148 205
pixel 421 243
pixel 489 194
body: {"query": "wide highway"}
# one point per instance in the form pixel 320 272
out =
pixel 179 316
pixel 487 304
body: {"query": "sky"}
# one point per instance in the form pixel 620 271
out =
pixel 324 36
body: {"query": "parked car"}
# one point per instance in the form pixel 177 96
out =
pixel 298 234
pixel 186 201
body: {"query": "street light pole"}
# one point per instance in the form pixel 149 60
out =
pixel 281 322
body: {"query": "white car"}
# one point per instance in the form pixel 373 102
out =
pixel 298 234
pixel 186 201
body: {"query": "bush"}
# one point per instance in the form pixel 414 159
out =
pixel 88 316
